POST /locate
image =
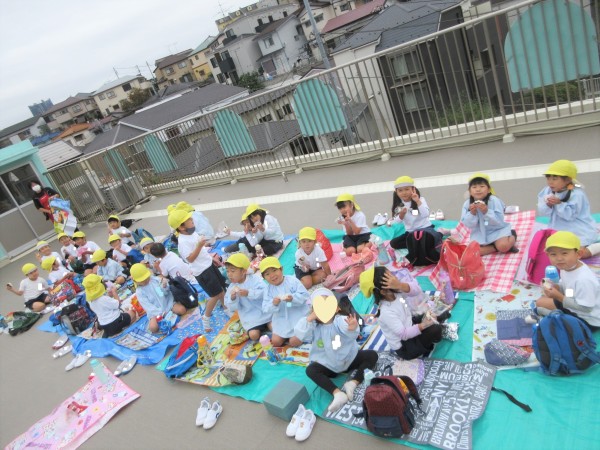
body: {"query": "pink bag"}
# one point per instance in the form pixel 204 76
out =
pixel 343 280
pixel 463 264
pixel 537 260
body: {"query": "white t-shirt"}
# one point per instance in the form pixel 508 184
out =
pixel 172 265
pixel 310 260
pixel 57 274
pixel 106 308
pixel 68 250
pixel 120 231
pixel 187 244
pixel 89 246
pixel 586 293
pixel 33 288
pixel 120 256
pixel 360 220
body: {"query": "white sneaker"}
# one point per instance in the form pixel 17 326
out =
pixel 306 425
pixel 339 400
pixel 439 215
pixel 292 427
pixel 376 219
pixel 206 324
pixel 202 411
pixel 213 414
pixel 348 388
pixel 382 219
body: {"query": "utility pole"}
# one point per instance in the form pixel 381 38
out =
pixel 313 24
pixel 116 73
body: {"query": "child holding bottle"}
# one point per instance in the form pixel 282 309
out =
pixel 311 263
pixel 263 222
pixel 33 288
pixel 357 233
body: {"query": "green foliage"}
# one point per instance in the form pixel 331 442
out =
pixel 251 81
pixel 44 129
pixel 472 110
pixel 136 98
pixel 556 93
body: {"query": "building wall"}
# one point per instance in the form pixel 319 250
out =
pixel 107 105
pixel 173 74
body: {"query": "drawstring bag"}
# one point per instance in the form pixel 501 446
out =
pixel 463 264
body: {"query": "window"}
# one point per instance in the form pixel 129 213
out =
pixel 182 65
pixel 260 22
pixel 169 71
pixel 285 14
pixel 268 42
pixel 221 78
pixel 111 94
pixel 267 118
pixel 415 97
pixel 173 132
pixel 229 33
pixel 77 108
pixel 16 181
pixel 6 203
pixel 202 73
pixel 405 65
pixel 486 62
pixel 270 19
pixel 284 111
pixel 213 62
pixel 319 18
pixel 101 97
pixel 78 137
pixel 127 87
pixel 345 7
pixel 196 57
pixel 116 107
pixel 63 111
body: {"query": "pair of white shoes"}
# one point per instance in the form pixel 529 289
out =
pixel 302 424
pixel 380 219
pixel 438 215
pixel 79 360
pixel 208 414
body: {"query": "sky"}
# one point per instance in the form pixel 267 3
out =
pixel 54 49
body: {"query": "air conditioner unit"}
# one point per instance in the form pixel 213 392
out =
pixel 238 13
pixel 249 8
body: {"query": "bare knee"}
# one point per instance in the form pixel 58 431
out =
pixel 350 251
pixel 307 281
pixel 277 341
pixel 179 309
pixel 295 342
pixel 254 335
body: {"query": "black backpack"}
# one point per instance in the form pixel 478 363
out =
pixel 423 247
pixel 183 292
pixel 75 318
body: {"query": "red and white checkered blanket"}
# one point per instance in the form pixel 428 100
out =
pixel 500 268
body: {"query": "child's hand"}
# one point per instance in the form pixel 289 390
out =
pixel 9 287
pixel 243 292
pixel 391 282
pixel 276 301
pixel 415 196
pixel 482 207
pixel 554 293
pixel 552 200
pixel 426 323
pixel 311 317
pixel 352 322
pixel 402 213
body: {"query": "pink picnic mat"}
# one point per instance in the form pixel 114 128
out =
pixel 79 416
pixel 501 268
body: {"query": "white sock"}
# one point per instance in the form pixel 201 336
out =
pixel 339 400
pixel 349 387
pixel 594 248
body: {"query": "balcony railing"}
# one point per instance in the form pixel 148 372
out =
pixel 529 67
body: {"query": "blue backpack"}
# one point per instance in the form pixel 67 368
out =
pixel 564 344
pixel 183 358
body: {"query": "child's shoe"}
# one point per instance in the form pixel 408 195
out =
pixel 202 411
pixel 213 414
pixel 306 425
pixel 206 324
pixel 292 427
pixel 376 219
pixel 439 215
pixel 62 351
pixel 60 342
pixel 382 219
pixel 348 388
pixel 339 400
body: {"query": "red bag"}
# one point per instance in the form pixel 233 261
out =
pixel 537 260
pixel 463 263
pixel 343 280
pixel 325 244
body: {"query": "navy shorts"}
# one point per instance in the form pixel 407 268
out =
pixel 40 298
pixel 116 326
pixel 211 281
pixel 355 240
pixel 301 273
pixel 262 328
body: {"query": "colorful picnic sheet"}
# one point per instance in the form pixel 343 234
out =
pixel 80 416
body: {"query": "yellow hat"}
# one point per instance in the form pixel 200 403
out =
pixel 562 168
pixel 563 239
pixel 268 263
pixel 93 287
pixel 486 178
pixel 78 234
pixel 250 209
pixel 48 262
pixel 28 268
pixel 347 198
pixel 41 244
pixel 367 282
pixel 171 208
pixel 62 235
pixel 177 217
pixel 238 260
pixel 145 241
pixel 403 182
pixel 113 238
pixel 184 206
pixel 113 217
pixel 307 233
pixel 98 255
pixel 139 272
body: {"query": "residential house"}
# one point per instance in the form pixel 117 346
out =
pixel 200 59
pixel 79 108
pixel 109 96
pixel 77 135
pixel 173 69
pixel 224 22
pixel 58 153
pixel 282 45
pixel 21 131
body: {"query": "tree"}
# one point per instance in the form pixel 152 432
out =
pixel 44 129
pixel 251 81
pixel 136 98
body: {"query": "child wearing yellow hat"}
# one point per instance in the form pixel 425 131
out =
pixel 265 227
pixel 57 273
pixel 354 221
pixel 115 227
pixel 68 249
pixel 45 251
pixel 245 295
pixel 33 288
pixel 85 250
pixel 578 292
pixel 249 236
pixel 311 263
pixel 201 222
pixel 483 213
pixel 107 307
pixel 286 299
pixel 108 268
pixel 568 207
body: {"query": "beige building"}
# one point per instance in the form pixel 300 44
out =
pixel 79 108
pixel 200 59
pixel 109 96
pixel 77 135
pixel 174 69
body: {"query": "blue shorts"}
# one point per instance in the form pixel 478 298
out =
pixel 355 240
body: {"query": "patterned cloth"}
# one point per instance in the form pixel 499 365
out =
pixel 500 268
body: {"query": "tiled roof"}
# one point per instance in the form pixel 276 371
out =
pixel 57 153
pixel 115 135
pixel 19 126
pixel 72 130
pixel 171 59
pixel 115 83
pixel 272 27
pixel 81 96
pixel 203 45
pixel 352 16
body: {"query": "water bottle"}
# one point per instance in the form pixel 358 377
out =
pixel 260 254
pixel 98 369
pixel 369 375
pixel 551 277
pixel 446 292
pixel 270 353
pixel 383 257
pixel 244 250
pixel 205 355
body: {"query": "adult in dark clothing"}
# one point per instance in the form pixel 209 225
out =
pixel 41 198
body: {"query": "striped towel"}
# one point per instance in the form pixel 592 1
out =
pixel 500 268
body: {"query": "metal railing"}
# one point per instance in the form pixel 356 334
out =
pixel 477 77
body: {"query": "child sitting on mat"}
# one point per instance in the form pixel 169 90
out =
pixel 356 231
pixel 285 298
pixel 33 288
pixel 245 295
pixel 483 213
pixel 578 292
pixel 311 263
pixel 108 268
pixel 334 349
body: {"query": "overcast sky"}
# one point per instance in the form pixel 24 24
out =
pixel 54 49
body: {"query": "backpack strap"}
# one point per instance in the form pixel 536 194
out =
pixel 523 406
pixel 411 388
pixel 582 333
pixel 552 340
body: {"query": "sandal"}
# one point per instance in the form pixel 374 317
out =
pixel 62 340
pixel 62 351
pixel 126 366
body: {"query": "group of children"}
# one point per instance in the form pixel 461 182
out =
pixel 269 301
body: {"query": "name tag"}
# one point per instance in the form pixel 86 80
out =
pixel 569 292
pixel 415 212
pixel 40 287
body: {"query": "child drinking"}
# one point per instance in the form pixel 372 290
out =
pixel 263 222
pixel 245 295
pixel 483 213
pixel 357 233
pixel 311 263
pixel 568 207
pixel 408 335
pixel 108 268
pixel 578 292
pixel 33 288
pixel 107 308
pixel 249 237
pixel 285 298
pixel 85 249
pixel 334 350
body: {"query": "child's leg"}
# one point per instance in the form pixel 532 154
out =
pixel 321 375
pixel 504 244
pixel 213 284
pixel 399 242
pixel 350 251
pixel 276 340
pixel 318 276
pixel 365 359
pixel 153 325
pixel 545 302
pixel 37 306
pixel 307 281
pixel 179 309
pixel 295 342
pixel 256 332
pixel 270 247
pixel 422 344
pixel 360 247
pixel 212 302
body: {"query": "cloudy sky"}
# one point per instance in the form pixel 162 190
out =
pixel 54 49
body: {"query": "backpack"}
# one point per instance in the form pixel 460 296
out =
pixel 325 244
pixel 537 260
pixel 21 321
pixel 76 317
pixel 387 409
pixel 141 233
pixel 183 358
pixel 343 280
pixel 564 344
pixel 463 264
pixel 423 247
pixel 183 292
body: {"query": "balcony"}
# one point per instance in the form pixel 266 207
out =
pixel 226 65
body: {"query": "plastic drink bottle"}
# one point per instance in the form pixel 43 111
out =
pixel 270 353
pixel 369 375
pixel 205 355
pixel 260 254
pixel 447 294
pixel 551 277
pixel 98 369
